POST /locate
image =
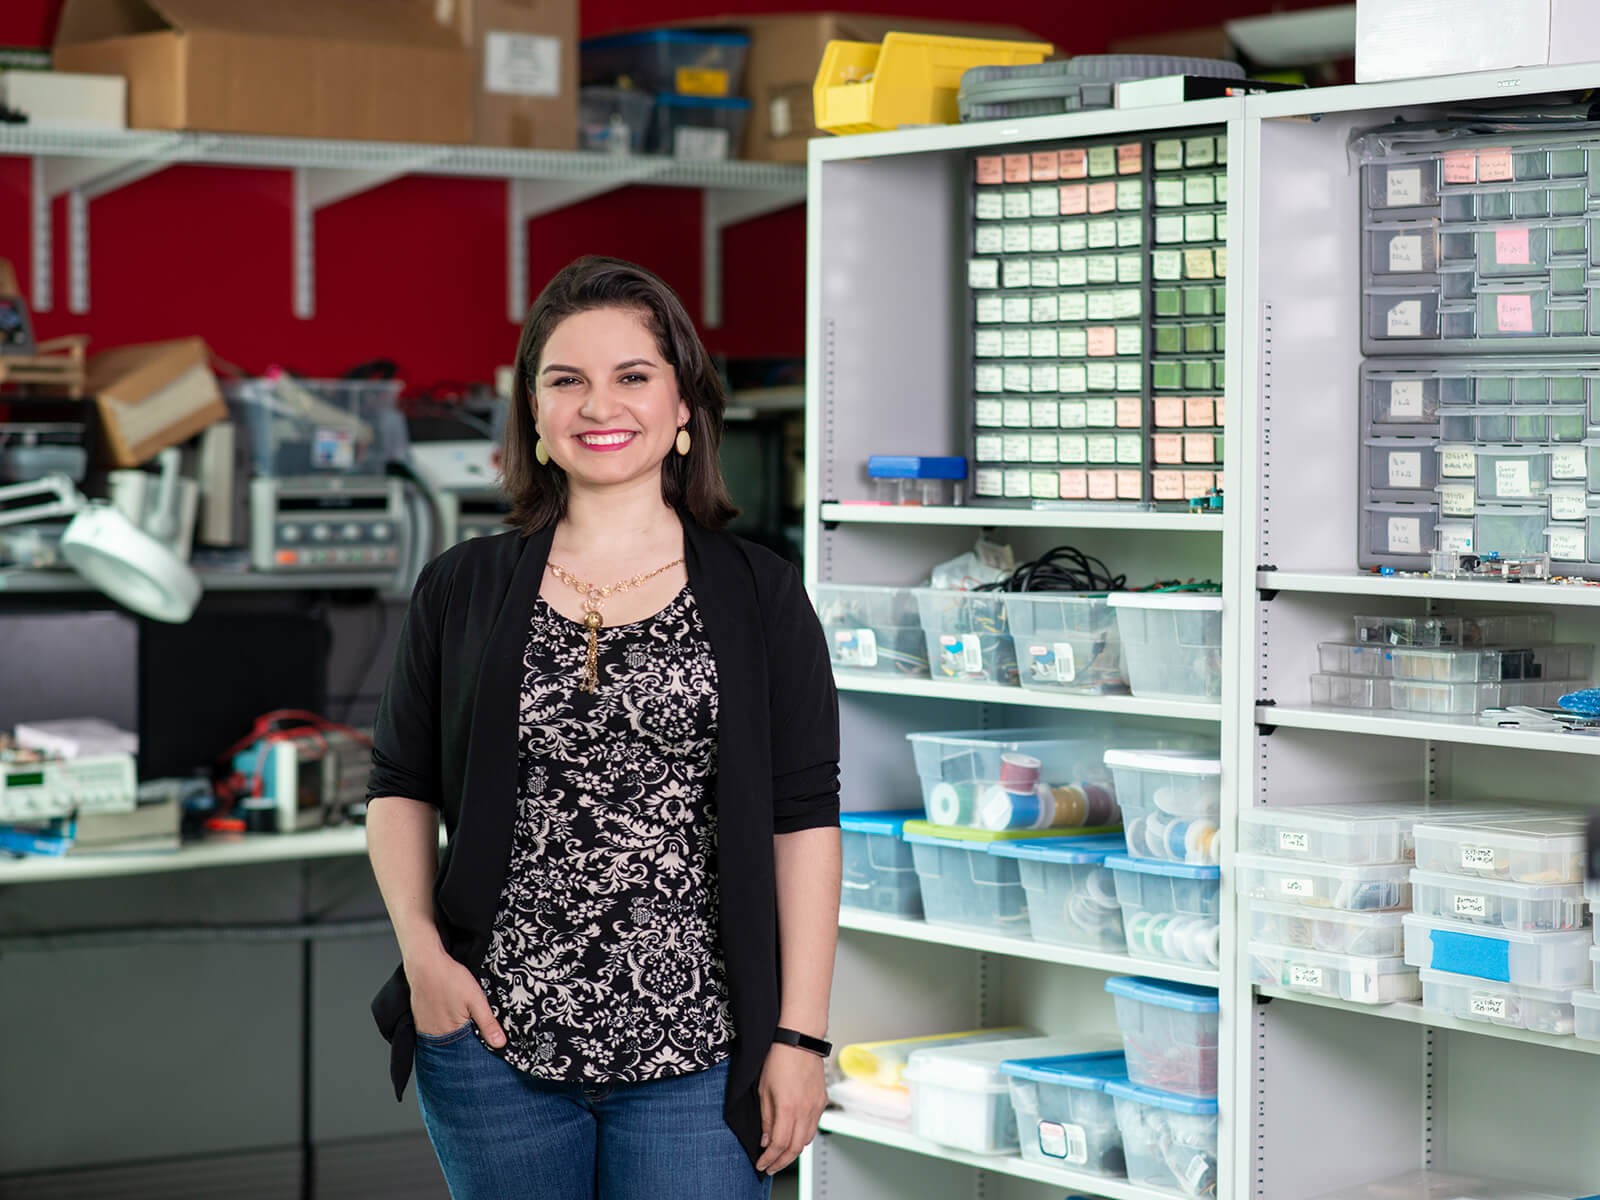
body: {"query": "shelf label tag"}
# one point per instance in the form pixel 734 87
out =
pixel 1460 166
pixel 1405 400
pixel 1458 462
pixel 1569 545
pixel 1511 247
pixel 1405 252
pixel 1492 1008
pixel 1472 906
pixel 1405 319
pixel 1301 976
pixel 1511 479
pixel 1513 313
pixel 1295 841
pixel 1568 463
pixel 1405 535
pixel 1494 165
pixel 1296 887
pixel 1403 188
pixel 1405 469
pixel 1477 858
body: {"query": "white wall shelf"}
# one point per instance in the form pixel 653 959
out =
pixel 1423 587
pixel 193 856
pixel 995 693
pixel 28 582
pixel 1020 518
pixel 1465 730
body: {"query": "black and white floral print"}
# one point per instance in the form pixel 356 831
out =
pixel 604 962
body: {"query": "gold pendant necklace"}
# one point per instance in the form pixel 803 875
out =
pixel 593 597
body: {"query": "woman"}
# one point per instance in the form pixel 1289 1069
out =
pixel 626 719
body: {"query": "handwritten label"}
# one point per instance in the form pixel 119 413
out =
pixel 1073 448
pixel 1016 377
pixel 1102 197
pixel 1404 319
pixel 1494 165
pixel 1043 485
pixel 1130 448
pixel 983 273
pixel 1102 341
pixel 1125 303
pixel 1568 463
pixel 989 309
pixel 989 169
pixel 1169 193
pixel 1015 447
pixel 1016 414
pixel 1199 227
pixel 1199 189
pixel 1457 499
pixel 1102 448
pixel 989 206
pixel 1074 235
pixel 1167 448
pixel 1405 535
pixel 1074 343
pixel 1015 310
pixel 1197 264
pixel 1166 485
pixel 1102 160
pixel 1042 378
pixel 989 239
pixel 987 482
pixel 1102 485
pixel 1460 166
pixel 1472 906
pixel 1014 239
pixel 1042 447
pixel 1102 234
pixel 987 412
pixel 1169 229
pixel 1101 411
pixel 1042 308
pixel 1017 205
pixel 1100 306
pixel 1511 479
pixel 1130 268
pixel 1569 545
pixel 1477 858
pixel 1458 462
pixel 1015 273
pixel 1130 195
pixel 1042 202
pixel 1566 505
pixel 1166 264
pixel 1170 413
pixel 1073 380
pixel 1130 377
pixel 1511 247
pixel 1169 155
pixel 1199 151
pixel 987 379
pixel 1015 343
pixel 1042 272
pixel 1074 485
pixel 1457 539
pixel 1130 485
pixel 1130 339
pixel 1403 187
pixel 1130 158
pixel 1199 410
pixel 1016 168
pixel 1072 164
pixel 1042 344
pixel 1074 198
pixel 1405 400
pixel 1292 841
pixel 1290 886
pixel 1073 306
pixel 1490 1008
pixel 1301 976
pixel 1072 272
pixel 1044 239
pixel 989 447
pixel 1405 469
pixel 1102 268
pixel 1405 252
pixel 1044 166
pixel 1128 412
pixel 987 343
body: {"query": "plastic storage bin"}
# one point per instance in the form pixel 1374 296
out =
pixel 1167 1141
pixel 699 127
pixel 1541 1010
pixel 1365 935
pixel 1491 666
pixel 691 62
pixel 1171 643
pixel 1531 907
pixel 960 1097
pixel 962 884
pixel 874 629
pixel 1398 530
pixel 321 427
pixel 1065 642
pixel 1528 848
pixel 883 1063
pixel 1169 910
pixel 992 778
pixel 1415 695
pixel 891 1105
pixel 1586 1015
pixel 880 874
pixel 1169 1033
pixel 1350 691
pixel 968 640
pixel 1353 658
pixel 1371 887
pixel 1171 802
pixel 615 120
pixel 1358 979
pixel 1072 895
pixel 1493 629
pixel 1542 960
pixel 1351 834
pixel 1064 1115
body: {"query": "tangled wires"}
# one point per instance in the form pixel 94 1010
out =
pixel 1060 569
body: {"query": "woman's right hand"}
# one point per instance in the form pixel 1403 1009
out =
pixel 445 996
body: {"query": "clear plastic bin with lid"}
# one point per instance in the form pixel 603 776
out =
pixel 1511 1006
pixel 1066 642
pixel 1014 778
pixel 1169 1033
pixel 321 428
pixel 1529 847
pixel 1348 834
pixel 1541 960
pixel 1365 934
pixel 1357 978
pixel 873 629
pixel 1168 1141
pixel 1171 801
pixel 1370 887
pixel 962 884
pixel 1071 895
pixel 1499 904
pixel 1171 643
pixel 1065 1116
pixel 1169 910
pixel 880 874
pixel 883 1062
pixel 968 640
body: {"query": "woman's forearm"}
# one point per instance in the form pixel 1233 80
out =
pixel 403 845
pixel 808 865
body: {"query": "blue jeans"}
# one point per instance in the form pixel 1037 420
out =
pixel 501 1134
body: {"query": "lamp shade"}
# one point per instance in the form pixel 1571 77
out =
pixel 129 565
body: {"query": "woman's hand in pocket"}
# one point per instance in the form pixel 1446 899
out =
pixel 445 996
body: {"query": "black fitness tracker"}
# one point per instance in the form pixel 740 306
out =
pixel 790 1037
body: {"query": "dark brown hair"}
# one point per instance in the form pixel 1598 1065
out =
pixel 690 483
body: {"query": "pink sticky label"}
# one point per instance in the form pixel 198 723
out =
pixel 1073 164
pixel 1168 448
pixel 1513 314
pixel 1460 166
pixel 1127 412
pixel 1199 447
pixel 1046 167
pixel 1130 158
pixel 1167 485
pixel 1102 197
pixel 1016 168
pixel 1195 484
pixel 1511 247
pixel 1102 341
pixel 1494 165
pixel 1197 410
pixel 1102 485
pixel 989 170
pixel 1129 485
pixel 1169 412
pixel 1074 199
pixel 1074 485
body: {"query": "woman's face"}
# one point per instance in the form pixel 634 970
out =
pixel 605 401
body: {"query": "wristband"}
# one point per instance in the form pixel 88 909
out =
pixel 790 1037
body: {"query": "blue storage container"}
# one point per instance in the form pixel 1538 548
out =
pixel 689 62
pixel 1167 1141
pixel 1064 1114
pixel 1072 897
pixel 1169 1031
pixel 879 873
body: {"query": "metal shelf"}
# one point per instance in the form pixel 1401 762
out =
pixel 193 856
pixel 1351 583
pixel 994 693
pixel 58 582
pixel 990 943
pixel 1464 729
pixel 1019 518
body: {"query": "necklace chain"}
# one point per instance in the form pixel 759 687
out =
pixel 593 597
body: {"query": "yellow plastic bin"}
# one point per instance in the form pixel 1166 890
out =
pixel 911 79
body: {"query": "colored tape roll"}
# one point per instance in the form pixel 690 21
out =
pixel 950 805
pixel 1071 806
pixel 1019 772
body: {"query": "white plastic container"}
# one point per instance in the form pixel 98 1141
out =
pixel 966 773
pixel 873 629
pixel 1072 896
pixel 1065 1117
pixel 1171 643
pixel 1497 904
pixel 1171 802
pixel 1349 834
pixel 880 873
pixel 1541 960
pixel 1368 888
pixel 960 1098
pixel 1167 1141
pixel 1534 847
pixel 1169 1033
pixel 1540 1010
pixel 1352 977
pixel 1065 642
pixel 962 884
pixel 1586 1015
pixel 891 1105
pixel 1169 910
pixel 966 634
pixel 1364 934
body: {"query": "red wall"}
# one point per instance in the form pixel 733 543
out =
pixel 414 270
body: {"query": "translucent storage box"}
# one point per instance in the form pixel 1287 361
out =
pixel 879 872
pixel 1532 907
pixel 1402 464
pixel 1401 393
pixel 1415 695
pixel 1351 834
pixel 1364 934
pixel 960 1098
pixel 1542 960
pixel 891 1105
pixel 1064 1115
pixel 1586 1015
pixel 1167 1141
pixel 1171 802
pixel 1496 629
pixel 1518 473
pixel 1369 888
pixel 691 62
pixel 1072 895
pixel 1066 642
pixel 967 637
pixel 1352 977
pixel 1509 530
pixel 1566 662
pixel 1171 643
pixel 874 629
pixel 992 778
pixel 1169 1033
pixel 321 427
pixel 1527 848
pixel 1169 910
pixel 1541 1010
pixel 698 127
pixel 613 119
pixel 1513 423
pixel 1353 658
pixel 1399 530
pixel 883 1063
pixel 1349 691
pixel 962 884
pixel 1407 401
pixel 1403 248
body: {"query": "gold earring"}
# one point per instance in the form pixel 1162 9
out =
pixel 540 453
pixel 683 441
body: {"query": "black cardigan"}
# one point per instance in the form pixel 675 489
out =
pixel 446 733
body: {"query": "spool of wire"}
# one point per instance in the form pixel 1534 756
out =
pixel 952 804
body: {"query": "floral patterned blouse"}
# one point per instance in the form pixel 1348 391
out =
pixel 604 963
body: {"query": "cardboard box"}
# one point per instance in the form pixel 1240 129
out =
pixel 62 100
pixel 152 396
pixel 1408 39
pixel 381 70
pixel 525 69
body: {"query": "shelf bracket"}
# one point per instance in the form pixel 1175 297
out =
pixel 530 198
pixel 80 180
pixel 720 208
pixel 314 189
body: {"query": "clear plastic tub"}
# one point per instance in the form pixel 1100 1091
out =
pixel 883 1062
pixel 1066 642
pixel 1064 1116
pixel 960 1098
pixel 321 427
pixel 1170 910
pixel 968 640
pixel 1171 803
pixel 1531 907
pixel 1414 695
pixel 1368 888
pixel 1169 1033
pixel 1586 1015
pixel 991 778
pixel 1351 834
pixel 1167 1141
pixel 1529 847
pixel 1353 658
pixel 1349 691
pixel 1366 934
pixel 690 61
pixel 880 874
pixel 875 629
pixel 1493 629
pixel 1171 643
pixel 698 127
pixel 1572 661
pixel 1072 895
pixel 1543 960
pixel 964 885
pixel 1360 980
pixel 1541 1010
pixel 614 120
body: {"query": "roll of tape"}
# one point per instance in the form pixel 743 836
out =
pixel 1004 808
pixel 1101 887
pixel 950 805
pixel 1213 944
pixel 1136 833
pixel 1176 844
pixel 1201 844
pixel 1102 804
pixel 1071 805
pixel 1019 772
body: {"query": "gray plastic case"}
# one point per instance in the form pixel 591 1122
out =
pixel 1088 81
